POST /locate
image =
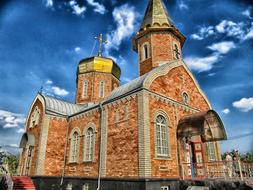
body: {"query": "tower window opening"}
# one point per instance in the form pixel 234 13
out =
pixel 101 89
pixel 145 51
pixel 85 88
pixel 176 52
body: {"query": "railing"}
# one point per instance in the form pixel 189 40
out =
pixel 229 170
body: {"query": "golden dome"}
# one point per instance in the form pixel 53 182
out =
pixel 99 64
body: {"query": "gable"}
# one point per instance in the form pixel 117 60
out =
pixel 173 81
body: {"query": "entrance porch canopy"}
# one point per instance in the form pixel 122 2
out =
pixel 206 124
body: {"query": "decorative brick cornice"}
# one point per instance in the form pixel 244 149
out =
pixel 162 98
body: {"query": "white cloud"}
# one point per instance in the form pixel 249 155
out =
pixel 77 49
pixel 21 130
pixel 222 47
pixel 225 27
pixel 249 34
pixel 51 90
pixel 231 28
pixel 124 16
pixel 204 32
pixel 49 82
pixel 244 105
pixel 99 8
pixel 211 74
pixel 49 3
pixel 13 145
pixel 77 10
pixel 201 64
pixel 59 92
pixel 11 120
pixel 182 5
pixel 226 111
pixel 247 13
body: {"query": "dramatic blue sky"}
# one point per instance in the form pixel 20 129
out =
pixel 42 41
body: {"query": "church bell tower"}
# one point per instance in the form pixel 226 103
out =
pixel 158 41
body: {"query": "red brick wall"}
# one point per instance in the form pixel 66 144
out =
pixel 36 132
pixel 172 85
pixel 175 83
pixel 161 50
pixel 56 139
pixel 122 141
pixel 93 79
pixel 82 168
pixel 144 65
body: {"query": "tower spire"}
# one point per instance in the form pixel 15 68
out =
pixel 156 15
pixel 158 41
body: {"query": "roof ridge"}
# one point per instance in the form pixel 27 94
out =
pixel 57 99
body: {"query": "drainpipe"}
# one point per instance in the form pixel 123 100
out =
pixel 100 150
pixel 65 152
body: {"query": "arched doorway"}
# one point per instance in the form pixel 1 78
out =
pixel 27 143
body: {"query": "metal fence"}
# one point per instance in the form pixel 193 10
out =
pixel 228 170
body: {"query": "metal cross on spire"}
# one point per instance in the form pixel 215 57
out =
pixel 101 42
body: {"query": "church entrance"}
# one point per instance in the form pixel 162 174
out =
pixel 192 132
pixel 28 160
pixel 27 143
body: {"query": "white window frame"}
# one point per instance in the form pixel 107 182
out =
pixel 186 102
pixel 74 146
pixel 211 151
pixel 145 51
pixel 89 144
pixel 161 133
pixel 165 188
pixel 85 186
pixel 85 88
pixel 101 89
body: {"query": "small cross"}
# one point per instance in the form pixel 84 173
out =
pixel 177 53
pixel 101 42
pixel 41 89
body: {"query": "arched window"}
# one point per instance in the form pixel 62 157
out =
pixel 145 51
pixel 85 88
pixel 89 144
pixel 101 89
pixel 35 117
pixel 186 98
pixel 162 136
pixel 74 147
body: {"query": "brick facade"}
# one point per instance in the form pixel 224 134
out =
pixel 161 50
pixel 124 120
pixel 93 79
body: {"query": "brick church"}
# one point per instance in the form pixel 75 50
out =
pixel 138 135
